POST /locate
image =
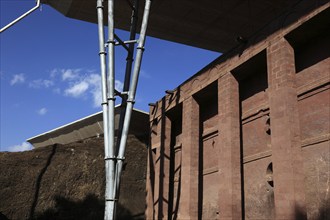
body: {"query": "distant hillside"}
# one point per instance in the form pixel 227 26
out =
pixel 67 182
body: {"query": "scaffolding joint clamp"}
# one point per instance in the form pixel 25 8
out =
pixel 111 200
pixel 121 158
pixel 131 101
pixel 112 99
pixel 110 158
pixel 111 42
pixel 140 48
pixel 104 103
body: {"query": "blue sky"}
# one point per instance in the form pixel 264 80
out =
pixel 49 71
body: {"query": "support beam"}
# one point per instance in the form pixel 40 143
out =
pixel 131 93
pixel 105 106
pixel 114 157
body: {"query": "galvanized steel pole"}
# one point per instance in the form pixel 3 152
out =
pixel 105 107
pixel 131 94
pixel 129 58
pixel 128 71
pixel 110 160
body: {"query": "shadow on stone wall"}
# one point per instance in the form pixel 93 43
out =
pixel 90 208
pixel 3 217
pixel 322 214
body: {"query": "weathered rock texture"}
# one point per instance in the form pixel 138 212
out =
pixel 248 136
pixel 67 182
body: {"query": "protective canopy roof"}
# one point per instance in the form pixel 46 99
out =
pixel 209 24
pixel 88 127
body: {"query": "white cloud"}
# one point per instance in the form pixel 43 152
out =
pixel 42 111
pixel 53 73
pixel 79 83
pixel 77 90
pixel 97 90
pixel 70 82
pixel 22 147
pixel 95 81
pixel 119 85
pixel 90 83
pixel 70 74
pixel 41 83
pixel 97 97
pixel 17 78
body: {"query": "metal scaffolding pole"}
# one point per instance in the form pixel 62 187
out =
pixel 109 165
pixel 128 71
pixel 111 159
pixel 131 93
pixel 114 157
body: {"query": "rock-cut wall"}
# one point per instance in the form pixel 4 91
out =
pixel 67 182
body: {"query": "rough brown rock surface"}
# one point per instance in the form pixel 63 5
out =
pixel 67 182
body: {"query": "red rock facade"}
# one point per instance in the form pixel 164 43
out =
pixel 248 136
